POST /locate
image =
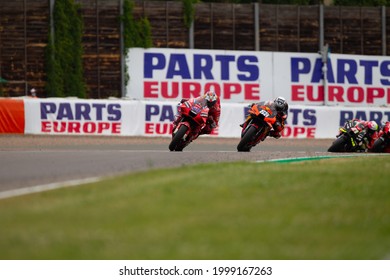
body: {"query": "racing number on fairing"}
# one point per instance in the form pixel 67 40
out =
pixel 264 113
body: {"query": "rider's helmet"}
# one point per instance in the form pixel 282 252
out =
pixel 281 105
pixel 372 126
pixel 211 98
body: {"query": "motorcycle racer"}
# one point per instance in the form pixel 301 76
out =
pixel 384 133
pixel 367 132
pixel 210 98
pixel 279 105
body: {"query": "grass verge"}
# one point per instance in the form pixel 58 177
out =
pixel 325 209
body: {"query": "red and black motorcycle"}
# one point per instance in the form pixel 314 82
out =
pixel 193 115
pixel 256 126
pixel 382 143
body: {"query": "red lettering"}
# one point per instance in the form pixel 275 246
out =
pixel 103 126
pixel 231 88
pixel 74 127
pixel 373 93
pixel 252 91
pixel 335 93
pixel 45 126
pixel 174 92
pixel 297 93
pixel 151 89
pixel 59 127
pixel 89 127
pixel 351 94
pixel 311 131
pixel 116 128
pixel 148 128
pixel 296 132
pixel 191 90
pixel 319 93
pixel 158 128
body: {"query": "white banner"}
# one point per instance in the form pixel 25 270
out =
pixel 247 76
pixel 172 74
pixel 58 116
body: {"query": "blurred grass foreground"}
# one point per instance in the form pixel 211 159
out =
pixel 326 209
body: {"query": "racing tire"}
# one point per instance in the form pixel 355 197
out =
pixel 378 146
pixel 177 140
pixel 339 145
pixel 248 136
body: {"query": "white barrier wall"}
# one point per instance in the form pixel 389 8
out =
pixel 56 116
pixel 247 76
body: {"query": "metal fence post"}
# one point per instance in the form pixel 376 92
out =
pixel 384 42
pixel 257 27
pixel 321 25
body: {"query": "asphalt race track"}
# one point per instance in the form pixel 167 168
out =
pixel 28 160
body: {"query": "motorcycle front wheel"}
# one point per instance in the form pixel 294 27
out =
pixel 177 140
pixel 339 145
pixel 248 137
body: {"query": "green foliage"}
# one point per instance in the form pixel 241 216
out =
pixel 63 55
pixel 135 33
pixel 189 11
pixel 361 2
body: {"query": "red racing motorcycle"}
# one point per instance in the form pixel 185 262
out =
pixel 382 143
pixel 256 126
pixel 193 115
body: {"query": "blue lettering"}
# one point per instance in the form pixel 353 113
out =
pixel 385 71
pixel 317 71
pixel 153 61
pixel 225 60
pixel 376 116
pixel 346 68
pixel 151 110
pixel 203 64
pixel 178 67
pixel 295 113
pixel 368 65
pixel 47 108
pixel 299 65
pixel 65 112
pixel 99 110
pixel 309 117
pixel 83 110
pixel 167 113
pixel 345 116
pixel 251 69
pixel 361 115
pixel 114 111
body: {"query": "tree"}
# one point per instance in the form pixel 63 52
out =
pixel 64 52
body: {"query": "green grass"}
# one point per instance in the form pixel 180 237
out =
pixel 325 209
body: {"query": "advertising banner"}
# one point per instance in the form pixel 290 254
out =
pixel 351 80
pixel 11 115
pixel 154 118
pixel 247 76
pixel 172 74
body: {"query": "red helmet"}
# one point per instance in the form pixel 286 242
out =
pixel 211 98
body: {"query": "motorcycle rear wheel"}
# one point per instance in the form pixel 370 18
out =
pixel 249 135
pixel 378 146
pixel 177 140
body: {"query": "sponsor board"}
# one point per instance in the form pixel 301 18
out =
pixel 247 76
